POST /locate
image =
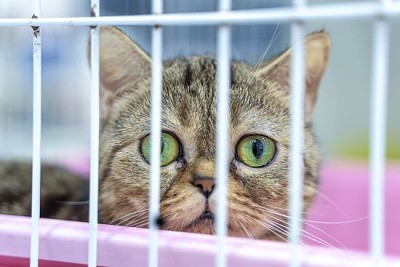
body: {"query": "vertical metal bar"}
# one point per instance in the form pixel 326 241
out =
pixel 379 85
pixel 297 79
pixel 223 136
pixel 94 137
pixel 155 136
pixel 36 149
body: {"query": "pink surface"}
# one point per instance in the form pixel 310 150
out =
pixel 122 246
pixel 342 208
pixel 339 218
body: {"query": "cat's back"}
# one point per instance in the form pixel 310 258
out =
pixel 63 194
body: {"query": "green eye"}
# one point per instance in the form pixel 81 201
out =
pixel 169 149
pixel 256 150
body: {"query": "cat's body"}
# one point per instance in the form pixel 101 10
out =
pixel 62 192
pixel 259 140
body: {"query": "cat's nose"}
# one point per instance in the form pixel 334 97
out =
pixel 205 184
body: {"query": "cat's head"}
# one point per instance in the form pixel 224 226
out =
pixel 258 144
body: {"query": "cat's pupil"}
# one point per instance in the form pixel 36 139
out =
pixel 162 146
pixel 257 148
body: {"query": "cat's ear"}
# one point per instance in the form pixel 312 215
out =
pixel 122 62
pixel 316 48
pixel 122 65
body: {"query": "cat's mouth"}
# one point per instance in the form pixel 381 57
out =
pixel 207 215
pixel 206 219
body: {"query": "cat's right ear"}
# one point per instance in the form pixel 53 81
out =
pixel 122 62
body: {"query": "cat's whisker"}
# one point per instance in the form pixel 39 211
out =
pixel 272 229
pixel 245 230
pixel 282 235
pixel 130 216
pixel 305 221
pixel 136 212
pixel 337 222
pixel 267 207
pixel 312 236
pixel 284 230
pixel 268 210
pixel 326 234
pixel 274 37
pixel 319 240
pixel 115 219
pixel 272 210
pixel 310 224
pixel 273 214
pixel 135 220
pixel 261 59
pixel 329 201
pixel 141 223
pixel 241 221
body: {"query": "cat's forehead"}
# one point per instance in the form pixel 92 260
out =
pixel 195 79
pixel 189 97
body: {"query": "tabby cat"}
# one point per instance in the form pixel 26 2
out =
pixel 258 153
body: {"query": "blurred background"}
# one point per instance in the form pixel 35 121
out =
pixel 341 117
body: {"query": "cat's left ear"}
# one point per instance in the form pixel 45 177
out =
pixel 121 60
pixel 316 48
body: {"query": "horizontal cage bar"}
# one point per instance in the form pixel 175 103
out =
pixel 272 15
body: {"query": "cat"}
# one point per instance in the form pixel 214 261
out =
pixel 62 192
pixel 259 141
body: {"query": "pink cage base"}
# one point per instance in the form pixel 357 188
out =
pixel 339 217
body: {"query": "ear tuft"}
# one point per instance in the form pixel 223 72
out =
pixel 122 61
pixel 317 47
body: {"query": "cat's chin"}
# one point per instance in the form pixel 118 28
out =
pixel 204 224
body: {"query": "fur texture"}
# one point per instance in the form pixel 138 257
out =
pixel 258 197
pixel 62 193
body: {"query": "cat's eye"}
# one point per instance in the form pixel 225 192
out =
pixel 256 150
pixel 170 149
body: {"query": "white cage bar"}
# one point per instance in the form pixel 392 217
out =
pixel 94 137
pixel 223 136
pixel 155 136
pixel 342 11
pixel 379 84
pixel 297 136
pixel 296 15
pixel 296 169
pixel 36 149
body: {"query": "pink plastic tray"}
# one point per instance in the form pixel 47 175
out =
pixel 342 207
pixel 339 217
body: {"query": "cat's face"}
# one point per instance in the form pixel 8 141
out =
pixel 258 144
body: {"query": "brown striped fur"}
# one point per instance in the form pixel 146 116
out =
pixel 257 197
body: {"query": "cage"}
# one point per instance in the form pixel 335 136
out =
pixel 353 222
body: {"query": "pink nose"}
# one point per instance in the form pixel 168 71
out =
pixel 205 184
